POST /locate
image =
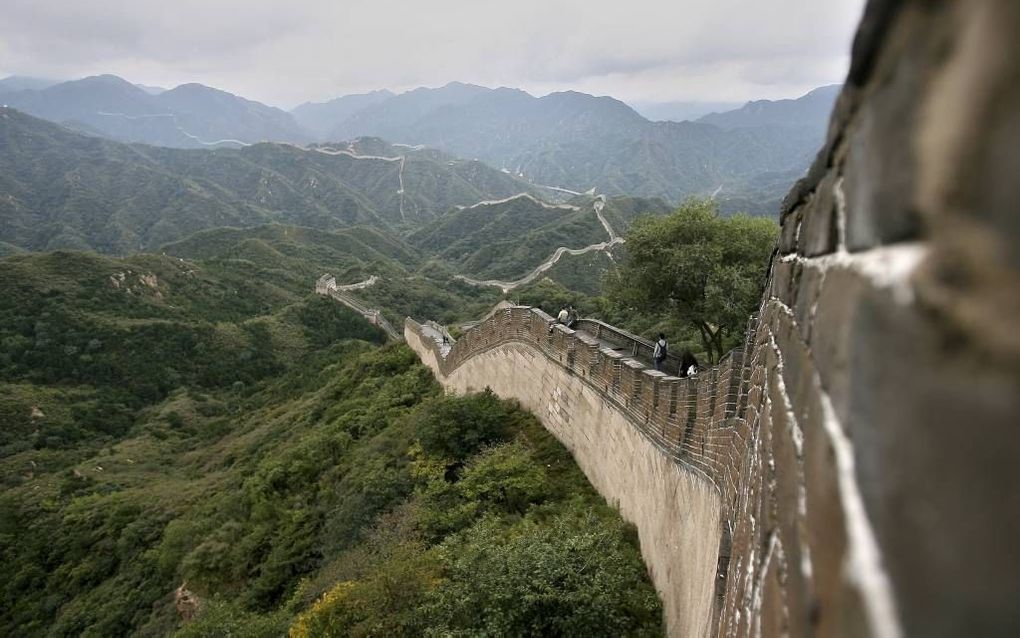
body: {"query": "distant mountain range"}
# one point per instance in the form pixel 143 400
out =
pixel 61 189
pixel 680 111
pixel 189 116
pixel 322 118
pixel 745 158
pixel 811 110
pixel 578 141
pixel 15 83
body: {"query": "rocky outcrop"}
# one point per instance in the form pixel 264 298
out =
pixel 186 603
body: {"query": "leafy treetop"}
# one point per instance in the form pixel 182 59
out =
pixel 705 269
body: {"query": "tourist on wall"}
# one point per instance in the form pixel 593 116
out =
pixel 688 364
pixel 571 317
pixel 659 354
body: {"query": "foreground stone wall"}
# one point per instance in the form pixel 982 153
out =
pixel 879 494
pixel 862 446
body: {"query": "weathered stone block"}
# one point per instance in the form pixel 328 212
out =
pixel 789 231
pixel 818 228
pixel 811 278
pixel 785 280
pixel 880 166
pixel 786 452
pixel 932 428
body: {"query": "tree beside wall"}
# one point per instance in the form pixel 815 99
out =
pixel 706 270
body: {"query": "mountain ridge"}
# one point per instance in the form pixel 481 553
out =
pixel 187 116
pixel 61 189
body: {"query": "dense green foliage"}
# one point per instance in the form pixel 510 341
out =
pixel 292 258
pixel 504 539
pixel 705 269
pixel 108 337
pixel 201 422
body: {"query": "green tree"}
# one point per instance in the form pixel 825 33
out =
pixel 457 427
pixel 705 269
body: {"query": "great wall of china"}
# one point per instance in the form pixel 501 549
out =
pixel 327 286
pixel 850 470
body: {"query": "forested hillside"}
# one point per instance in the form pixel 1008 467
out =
pixel 507 239
pixel 60 189
pixel 202 424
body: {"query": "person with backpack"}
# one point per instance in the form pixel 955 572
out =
pixel 659 354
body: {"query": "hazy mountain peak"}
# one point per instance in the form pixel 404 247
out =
pixel 321 118
pixel 196 89
pixel 465 85
pixel 810 110
pixel 105 79
pixel 14 83
pixel 680 110
pixel 457 90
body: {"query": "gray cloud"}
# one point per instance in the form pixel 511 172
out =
pixel 286 51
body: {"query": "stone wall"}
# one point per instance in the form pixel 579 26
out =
pixel 326 286
pixel 624 425
pixel 862 445
pixel 879 494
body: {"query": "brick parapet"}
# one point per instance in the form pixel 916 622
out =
pixel 688 419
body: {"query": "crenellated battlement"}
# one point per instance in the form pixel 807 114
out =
pixel 690 420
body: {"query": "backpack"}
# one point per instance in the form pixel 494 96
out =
pixel 660 351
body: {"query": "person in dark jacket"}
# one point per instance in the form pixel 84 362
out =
pixel 659 354
pixel 688 364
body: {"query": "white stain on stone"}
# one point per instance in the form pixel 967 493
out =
pixel 863 562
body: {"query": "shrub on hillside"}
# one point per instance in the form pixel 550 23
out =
pixel 573 575
pixel 457 427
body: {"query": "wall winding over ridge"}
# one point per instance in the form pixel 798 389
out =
pixel 860 449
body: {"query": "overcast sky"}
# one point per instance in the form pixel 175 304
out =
pixel 284 52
